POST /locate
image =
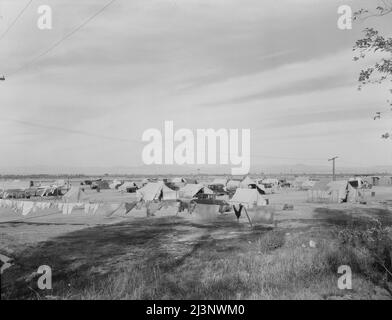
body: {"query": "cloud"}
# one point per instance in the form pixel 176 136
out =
pixel 240 64
pixel 293 89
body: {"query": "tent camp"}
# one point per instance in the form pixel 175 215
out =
pixel 144 182
pixel 374 180
pixel 233 185
pixel 191 180
pixel 320 191
pixel 356 182
pixel 128 187
pixel 192 190
pixel 256 209
pixel 307 185
pixel 178 182
pixel 61 183
pixel 385 181
pixel 299 181
pixel 218 186
pixel 115 184
pixel 271 181
pixel 321 185
pixel 334 191
pixel 51 191
pixel 249 198
pixel 303 183
pixel 248 183
pixel 156 191
pixel 342 191
pixel 14 185
pixel 14 189
pixel 219 181
pixel 75 194
pixel 268 185
pixel 101 184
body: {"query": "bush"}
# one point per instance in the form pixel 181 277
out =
pixel 368 251
pixel 271 241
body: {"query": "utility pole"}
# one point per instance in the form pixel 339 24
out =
pixel 333 167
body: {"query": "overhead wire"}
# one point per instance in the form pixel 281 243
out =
pixel 15 20
pixel 62 39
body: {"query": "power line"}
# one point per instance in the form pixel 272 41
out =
pixel 72 131
pixel 15 20
pixel 128 140
pixel 69 34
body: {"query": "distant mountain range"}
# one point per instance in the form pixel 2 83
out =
pixel 186 170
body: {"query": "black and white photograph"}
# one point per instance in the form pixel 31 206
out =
pixel 195 155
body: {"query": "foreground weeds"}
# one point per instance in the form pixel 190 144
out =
pixel 267 264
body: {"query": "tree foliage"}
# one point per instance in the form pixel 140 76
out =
pixel 373 42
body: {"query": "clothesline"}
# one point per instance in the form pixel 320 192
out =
pixel 26 207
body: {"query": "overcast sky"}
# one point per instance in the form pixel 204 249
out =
pixel 281 68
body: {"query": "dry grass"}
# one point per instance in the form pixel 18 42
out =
pixel 262 264
pixel 289 272
pixel 174 258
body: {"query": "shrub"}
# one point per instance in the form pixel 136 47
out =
pixel 367 250
pixel 271 241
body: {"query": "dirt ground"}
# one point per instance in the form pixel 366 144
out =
pixel 79 247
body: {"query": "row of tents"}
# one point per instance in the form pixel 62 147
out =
pixel 156 194
pixel 218 185
pixel 248 199
pixel 221 186
pixel 306 183
pixel 25 189
pixel 337 191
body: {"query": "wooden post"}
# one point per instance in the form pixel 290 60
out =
pixel 333 167
pixel 250 222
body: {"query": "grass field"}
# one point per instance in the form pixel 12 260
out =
pixel 184 257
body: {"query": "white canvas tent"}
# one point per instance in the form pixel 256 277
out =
pixel 249 198
pixel 272 181
pixel 385 181
pixel 233 184
pixel 341 191
pixel 191 190
pixel 299 181
pixel 333 191
pixel 247 182
pixel 48 190
pixel 356 182
pixel 115 184
pixel 263 190
pixel 320 191
pixel 307 185
pixel 254 204
pixel 75 194
pixel 178 182
pixel 143 182
pixel 156 191
pixel 60 183
pixel 127 185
